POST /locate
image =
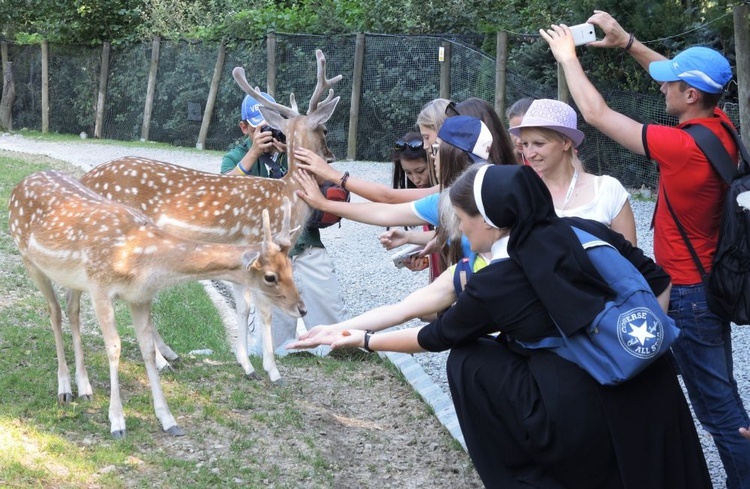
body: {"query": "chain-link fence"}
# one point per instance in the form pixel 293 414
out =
pixel 401 74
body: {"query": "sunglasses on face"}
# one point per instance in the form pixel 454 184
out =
pixel 401 145
pixel 451 110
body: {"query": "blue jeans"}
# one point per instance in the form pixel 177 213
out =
pixel 704 356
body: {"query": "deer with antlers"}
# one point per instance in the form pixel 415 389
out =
pixel 70 235
pixel 225 208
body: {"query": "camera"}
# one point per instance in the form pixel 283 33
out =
pixel 275 133
pixel 583 34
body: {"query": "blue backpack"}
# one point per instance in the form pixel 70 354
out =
pixel 627 336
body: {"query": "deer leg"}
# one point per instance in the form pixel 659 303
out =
pixel 73 299
pixel 144 331
pixel 105 313
pixel 163 352
pixel 242 301
pixel 64 386
pixel 269 360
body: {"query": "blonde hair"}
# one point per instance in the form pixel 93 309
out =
pixel 551 134
pixel 432 114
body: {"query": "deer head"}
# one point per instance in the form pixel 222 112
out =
pixel 306 131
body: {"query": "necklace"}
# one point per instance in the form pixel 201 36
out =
pixel 570 189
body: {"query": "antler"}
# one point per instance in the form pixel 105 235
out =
pixel 239 76
pixel 323 83
pixel 267 236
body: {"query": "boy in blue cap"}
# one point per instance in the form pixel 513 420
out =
pixel 692 83
pixel 262 154
pixel 259 154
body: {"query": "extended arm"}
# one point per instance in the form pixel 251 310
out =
pixel 368 213
pixel 594 109
pixel 430 299
pixel 375 192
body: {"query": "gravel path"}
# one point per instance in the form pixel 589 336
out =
pixel 364 268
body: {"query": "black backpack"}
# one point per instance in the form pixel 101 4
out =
pixel 728 283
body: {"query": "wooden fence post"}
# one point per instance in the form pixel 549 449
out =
pixel 101 99
pixel 359 62
pixel 149 106
pixel 445 70
pixel 8 95
pixel 211 102
pixel 271 64
pixel 501 66
pixel 45 86
pixel 742 55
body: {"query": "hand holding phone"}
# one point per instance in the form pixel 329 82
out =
pixel 583 34
pixel 399 257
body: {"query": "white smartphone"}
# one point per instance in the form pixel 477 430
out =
pixel 407 252
pixel 583 34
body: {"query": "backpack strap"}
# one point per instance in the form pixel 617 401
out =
pixel 461 275
pixel 712 147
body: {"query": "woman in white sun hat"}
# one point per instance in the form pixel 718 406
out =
pixel 549 134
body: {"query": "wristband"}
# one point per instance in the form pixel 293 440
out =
pixel 368 335
pixel 239 167
pixel 344 179
pixel 630 42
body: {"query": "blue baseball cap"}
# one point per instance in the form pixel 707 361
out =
pixel 469 134
pixel 700 67
pixel 251 112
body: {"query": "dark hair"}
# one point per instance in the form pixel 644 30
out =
pixel 453 162
pixel 502 151
pixel 519 108
pixel 399 176
pixel 461 192
pixel 708 101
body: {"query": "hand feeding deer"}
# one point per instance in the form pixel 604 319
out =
pixel 70 235
pixel 224 208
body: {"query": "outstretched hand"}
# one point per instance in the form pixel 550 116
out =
pixel 393 238
pixel 614 35
pixel 560 41
pixel 348 338
pixel 314 163
pixel 309 191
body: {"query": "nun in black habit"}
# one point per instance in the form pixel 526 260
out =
pixel 530 418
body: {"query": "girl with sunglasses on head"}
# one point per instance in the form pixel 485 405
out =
pixel 413 177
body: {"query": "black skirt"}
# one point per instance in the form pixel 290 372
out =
pixel 533 419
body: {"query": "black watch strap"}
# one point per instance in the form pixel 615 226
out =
pixel 368 334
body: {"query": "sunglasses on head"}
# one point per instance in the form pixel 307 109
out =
pixel 401 145
pixel 451 110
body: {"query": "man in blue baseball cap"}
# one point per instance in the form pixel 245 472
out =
pixel 692 83
pixel 262 152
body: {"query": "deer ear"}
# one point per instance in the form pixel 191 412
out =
pixel 323 112
pixel 250 258
pixel 274 119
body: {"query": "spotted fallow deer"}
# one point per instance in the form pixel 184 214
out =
pixel 70 235
pixel 225 208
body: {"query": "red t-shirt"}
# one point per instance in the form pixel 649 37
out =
pixel 695 191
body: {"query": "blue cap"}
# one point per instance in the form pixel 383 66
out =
pixel 251 112
pixel 701 68
pixel 469 134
